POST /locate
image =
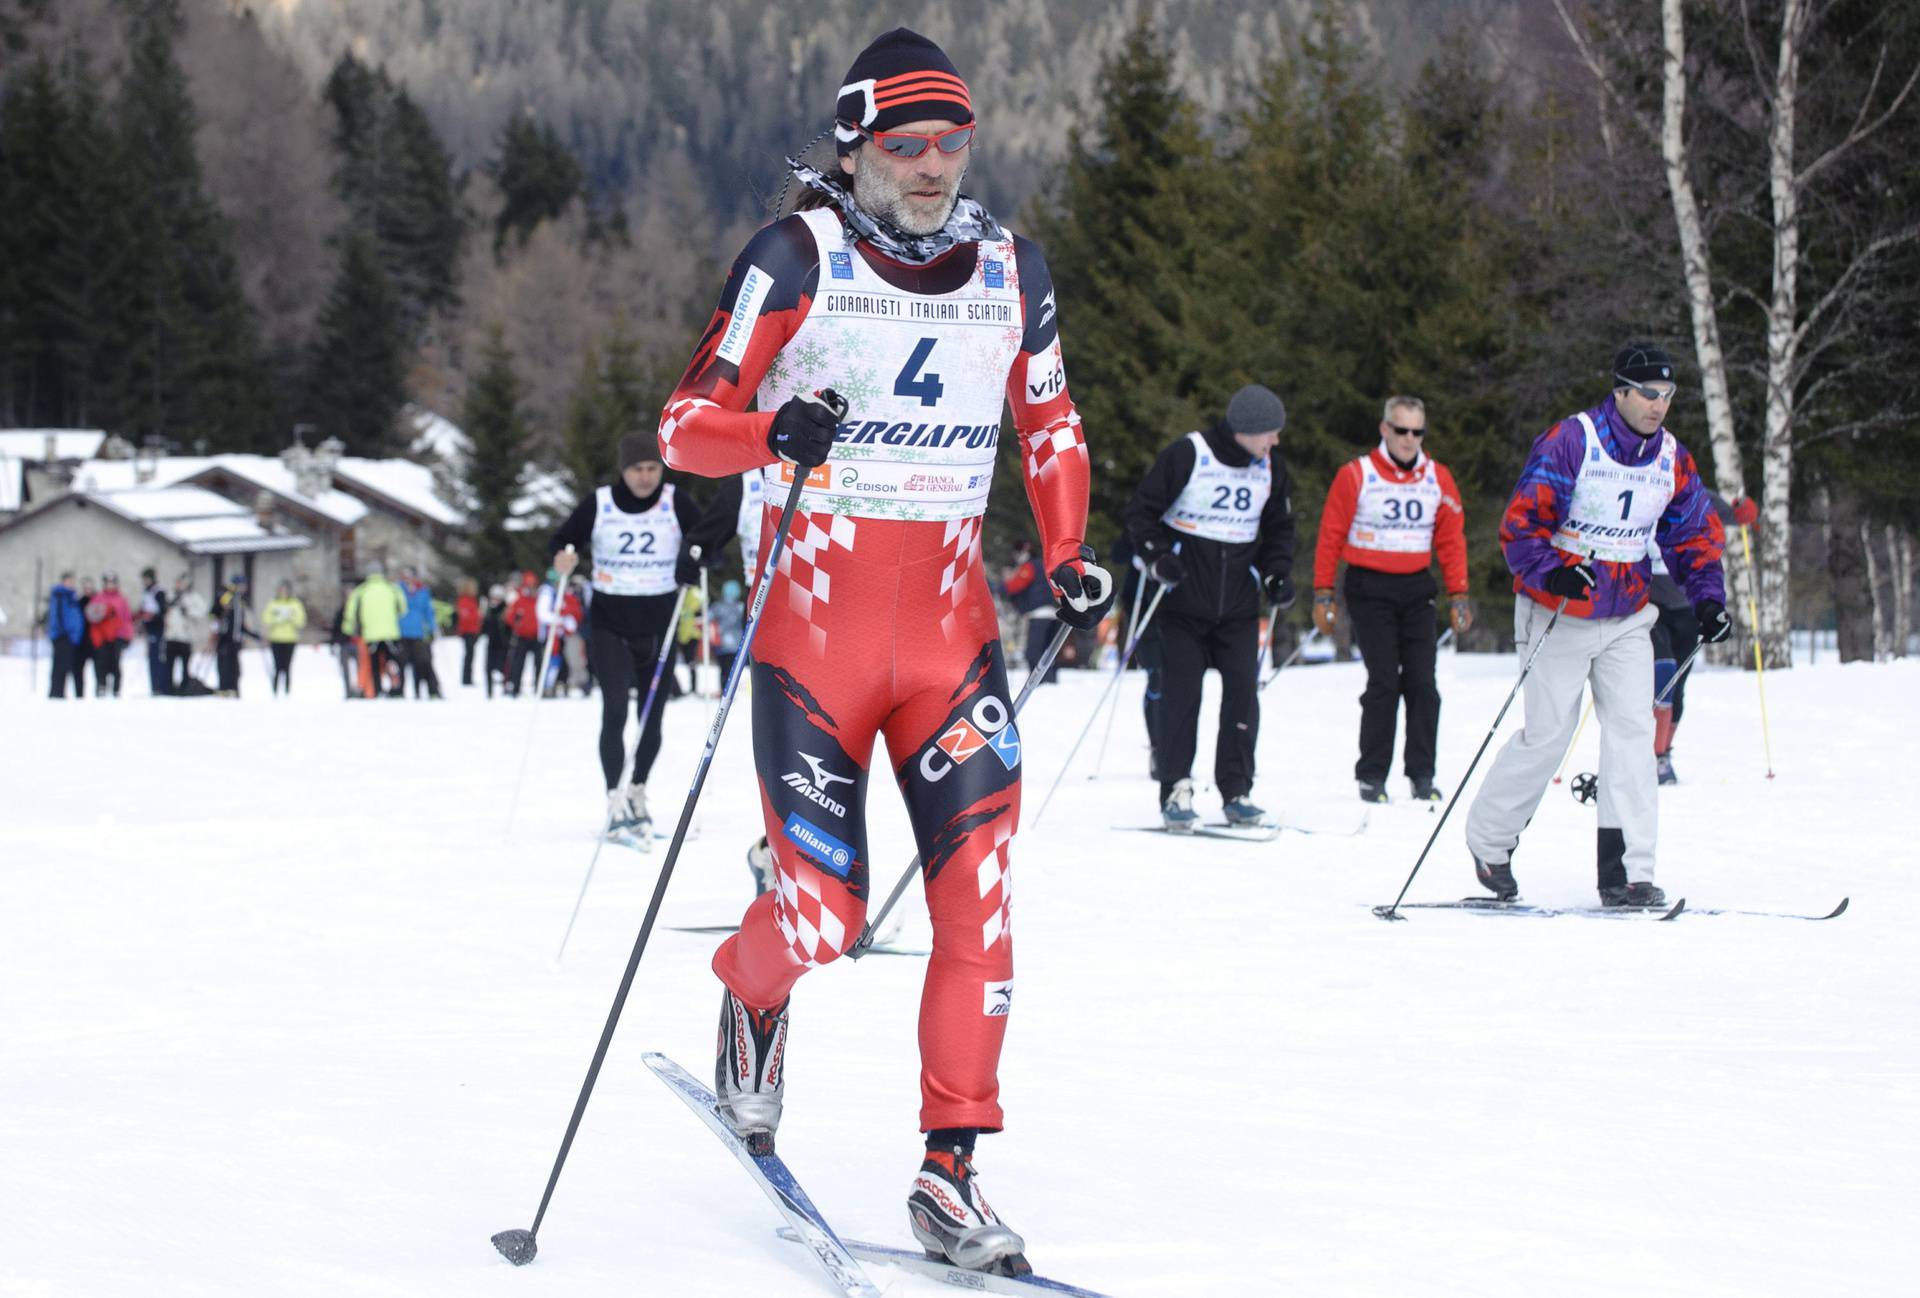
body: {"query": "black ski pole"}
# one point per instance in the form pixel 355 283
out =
pixel 1393 911
pixel 519 1246
pixel 646 710
pixel 1038 674
pixel 1312 634
pixel 1153 606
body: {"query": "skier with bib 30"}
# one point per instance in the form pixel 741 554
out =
pixel 1213 522
pixel 894 289
pixel 1596 488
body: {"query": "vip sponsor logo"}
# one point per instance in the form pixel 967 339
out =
pixel 835 856
pixel 930 482
pixel 960 741
pixel 754 287
pixel 994 272
pixel 999 1000
pixel 1046 375
pixel 815 790
pixel 841 264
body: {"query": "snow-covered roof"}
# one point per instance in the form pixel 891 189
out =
pixel 273 474
pixel 68 443
pixel 123 475
pixel 403 482
pixel 195 519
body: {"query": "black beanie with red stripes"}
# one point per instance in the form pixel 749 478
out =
pixel 902 77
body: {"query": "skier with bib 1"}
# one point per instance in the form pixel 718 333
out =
pixel 636 529
pixel 1597 487
pixel 893 288
pixel 1213 522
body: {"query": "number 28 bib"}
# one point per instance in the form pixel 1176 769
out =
pixel 925 376
pixel 1220 502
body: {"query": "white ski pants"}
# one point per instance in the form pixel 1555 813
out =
pixel 1616 655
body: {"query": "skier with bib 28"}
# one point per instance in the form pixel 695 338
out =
pixel 1213 522
pixel 892 288
pixel 1596 488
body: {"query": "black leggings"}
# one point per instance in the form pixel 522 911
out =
pixel 282 666
pixel 622 664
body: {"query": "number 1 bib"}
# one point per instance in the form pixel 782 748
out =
pixel 1615 506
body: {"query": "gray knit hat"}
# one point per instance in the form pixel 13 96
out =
pixel 638 448
pixel 1254 409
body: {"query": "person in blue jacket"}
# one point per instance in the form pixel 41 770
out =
pixel 66 628
pixel 416 632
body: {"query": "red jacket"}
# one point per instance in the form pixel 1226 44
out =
pixel 116 623
pixel 523 613
pixel 466 615
pixel 1343 497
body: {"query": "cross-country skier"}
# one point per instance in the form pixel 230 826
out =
pixel 637 530
pixel 1389 514
pixel 1596 488
pixel 894 288
pixel 1214 524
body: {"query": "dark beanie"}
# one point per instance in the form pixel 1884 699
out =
pixel 1254 409
pixel 1642 363
pixel 902 77
pixel 637 448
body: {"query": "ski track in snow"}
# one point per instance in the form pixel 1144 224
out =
pixel 279 1013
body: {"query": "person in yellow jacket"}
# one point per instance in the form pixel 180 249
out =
pixel 285 618
pixel 686 637
pixel 374 611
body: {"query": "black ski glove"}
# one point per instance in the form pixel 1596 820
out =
pixel 803 428
pixel 1167 569
pixel 686 569
pixel 1715 625
pixel 1082 590
pixel 1575 581
pixel 1279 590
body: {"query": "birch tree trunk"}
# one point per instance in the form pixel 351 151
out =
pixel 1783 345
pixel 1729 473
pixel 1873 593
pixel 1900 559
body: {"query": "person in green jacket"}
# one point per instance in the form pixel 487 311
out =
pixel 285 618
pixel 374 611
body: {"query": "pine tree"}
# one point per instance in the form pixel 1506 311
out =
pixel 357 381
pixel 584 451
pixel 193 361
pixel 493 422
pixel 538 178
pixel 1129 237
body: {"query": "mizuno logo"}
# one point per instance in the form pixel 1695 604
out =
pixel 821 775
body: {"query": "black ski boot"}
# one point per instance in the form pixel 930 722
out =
pixel 1372 792
pixel 1497 878
pixel 1424 791
pixel 1641 896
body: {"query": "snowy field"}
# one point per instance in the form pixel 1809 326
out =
pixel 280 1014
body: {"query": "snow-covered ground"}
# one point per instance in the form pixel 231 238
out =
pixel 280 1014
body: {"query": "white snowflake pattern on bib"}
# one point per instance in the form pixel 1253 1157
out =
pixel 1616 506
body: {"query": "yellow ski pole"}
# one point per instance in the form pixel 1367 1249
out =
pixel 1760 672
pixel 1576 740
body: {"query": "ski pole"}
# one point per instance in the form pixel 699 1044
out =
pixel 1153 606
pixel 1674 681
pixel 659 662
pixel 1759 671
pixel 519 1246
pixel 1584 714
pixel 1313 633
pixel 1392 912
pixel 1133 620
pixel 533 711
pixel 865 940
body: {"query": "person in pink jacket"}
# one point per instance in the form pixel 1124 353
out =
pixel 109 628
